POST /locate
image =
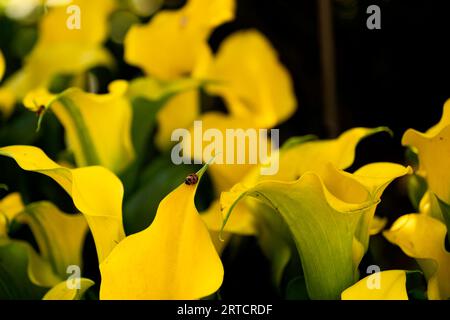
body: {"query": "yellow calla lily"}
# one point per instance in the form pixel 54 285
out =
pixel 392 286
pixel 174 258
pixel 246 72
pixel 434 151
pixel 98 126
pixel 95 191
pixel 183 33
pixel 325 214
pixel 62 50
pixel 423 238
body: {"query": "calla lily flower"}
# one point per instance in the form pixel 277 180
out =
pixel 175 256
pixel 321 159
pixel 247 73
pixel 183 33
pixel 136 267
pixel 62 50
pixel 60 238
pixel 423 237
pixel 297 156
pixel 96 192
pixel 328 216
pixel 392 286
pixel 98 126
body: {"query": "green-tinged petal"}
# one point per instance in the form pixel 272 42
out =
pixel 95 191
pixel 249 75
pixel 98 126
pixel 392 286
pixel 10 206
pixel 423 238
pixel 325 215
pixel 62 292
pixel 23 274
pixel 183 33
pixel 322 227
pixel 60 236
pixel 434 151
pixel 174 258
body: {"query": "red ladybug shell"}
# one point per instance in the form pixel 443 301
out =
pixel 191 179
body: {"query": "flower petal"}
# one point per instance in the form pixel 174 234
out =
pixel 60 236
pixel 183 33
pixel 174 258
pixel 392 287
pixel 62 292
pixel 95 191
pixel 249 75
pixel 98 126
pixel 10 207
pixel 434 151
pixel 423 238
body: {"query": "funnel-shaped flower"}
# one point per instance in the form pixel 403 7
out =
pixel 175 39
pixel 95 191
pixel 62 49
pixel 247 73
pixel 98 126
pixel 328 216
pixel 433 148
pixel 423 238
pixel 174 258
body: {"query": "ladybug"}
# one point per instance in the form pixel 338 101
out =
pixel 191 179
pixel 40 110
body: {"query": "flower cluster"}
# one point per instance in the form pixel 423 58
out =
pixel 111 156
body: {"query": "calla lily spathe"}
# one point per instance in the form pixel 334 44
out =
pixel 61 50
pixel 97 126
pixel 185 247
pixel 183 33
pixel 423 237
pixel 175 255
pixel 392 286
